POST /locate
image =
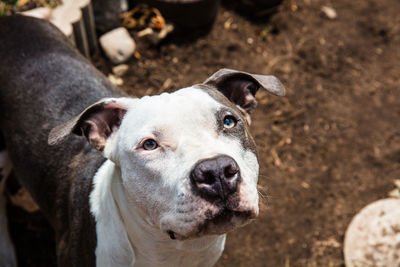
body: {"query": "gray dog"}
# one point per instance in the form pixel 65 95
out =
pixel 158 181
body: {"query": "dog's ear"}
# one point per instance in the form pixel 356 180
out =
pixel 241 87
pixel 96 123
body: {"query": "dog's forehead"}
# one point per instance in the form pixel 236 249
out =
pixel 186 108
pixel 183 99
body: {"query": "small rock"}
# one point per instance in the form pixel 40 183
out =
pixel 329 12
pixel 115 80
pixel 40 13
pixel 137 55
pixel 305 185
pixel 373 236
pixel 395 192
pixel 397 183
pixel 228 23
pixel 167 83
pixel 118 45
pixel 330 242
pixel 120 70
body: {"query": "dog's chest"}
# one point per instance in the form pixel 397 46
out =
pixel 185 255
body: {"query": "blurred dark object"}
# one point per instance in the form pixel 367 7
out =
pixel 185 14
pixel 2 142
pixel 262 3
pixel 106 14
pixel 255 10
pixel 30 231
pixel 10 2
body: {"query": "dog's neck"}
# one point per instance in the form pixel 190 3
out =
pixel 126 238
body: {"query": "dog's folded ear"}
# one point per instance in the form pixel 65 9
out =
pixel 96 123
pixel 241 87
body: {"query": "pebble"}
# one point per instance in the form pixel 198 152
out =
pixel 329 12
pixel 118 45
pixel 115 80
pixel 120 70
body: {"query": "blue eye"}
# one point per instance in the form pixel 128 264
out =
pixel 229 122
pixel 150 144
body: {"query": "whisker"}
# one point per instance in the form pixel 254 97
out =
pixel 265 177
pixel 261 194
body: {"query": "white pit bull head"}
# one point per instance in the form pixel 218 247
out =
pixel 187 159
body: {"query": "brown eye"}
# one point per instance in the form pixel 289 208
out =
pixel 229 122
pixel 150 144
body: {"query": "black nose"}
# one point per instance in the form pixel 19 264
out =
pixel 216 178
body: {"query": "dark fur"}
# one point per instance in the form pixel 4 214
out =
pixel 43 83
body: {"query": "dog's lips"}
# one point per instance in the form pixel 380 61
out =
pixel 224 221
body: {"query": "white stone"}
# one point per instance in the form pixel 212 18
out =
pixel 329 12
pixel 118 45
pixel 373 236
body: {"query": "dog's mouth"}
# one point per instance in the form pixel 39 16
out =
pixel 223 222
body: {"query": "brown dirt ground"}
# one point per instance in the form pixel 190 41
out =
pixel 328 148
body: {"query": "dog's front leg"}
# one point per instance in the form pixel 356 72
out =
pixel 7 253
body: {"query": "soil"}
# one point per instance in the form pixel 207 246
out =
pixel 326 149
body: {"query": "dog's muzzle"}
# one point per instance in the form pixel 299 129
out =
pixel 216 179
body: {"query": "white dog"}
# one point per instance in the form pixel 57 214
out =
pixel 176 171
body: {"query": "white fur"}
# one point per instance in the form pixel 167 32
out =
pixel 113 246
pixel 140 195
pixel 115 219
